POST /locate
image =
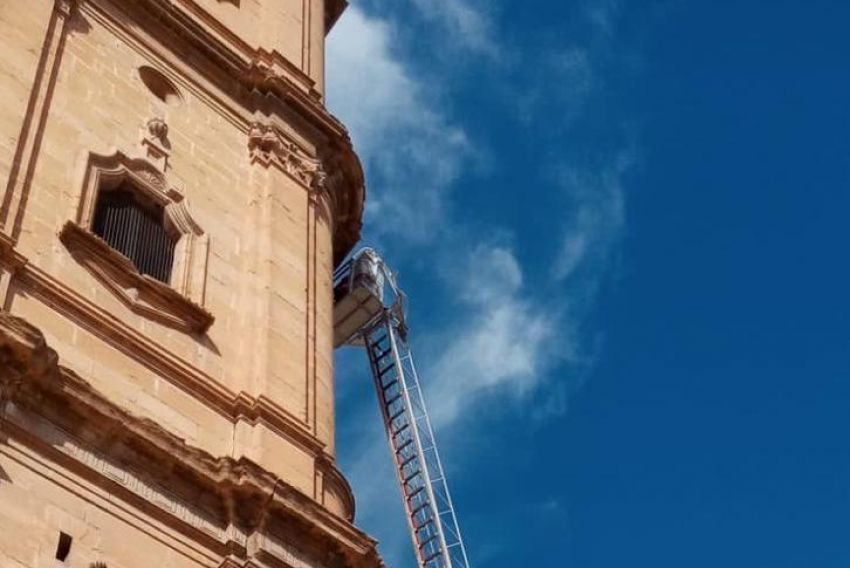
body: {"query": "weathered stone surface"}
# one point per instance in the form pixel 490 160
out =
pixel 190 419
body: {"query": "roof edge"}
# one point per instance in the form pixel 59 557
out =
pixel 333 10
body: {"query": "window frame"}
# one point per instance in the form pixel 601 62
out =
pixel 179 302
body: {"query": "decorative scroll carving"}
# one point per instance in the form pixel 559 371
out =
pixel 269 145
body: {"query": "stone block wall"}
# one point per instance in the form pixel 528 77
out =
pixel 215 108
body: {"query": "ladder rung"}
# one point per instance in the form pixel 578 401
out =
pixel 397 414
pixel 419 508
pixel 433 556
pixel 402 429
pixel 393 399
pixel 428 521
pixel 411 476
pixel 389 385
pixel 404 445
pixel 385 370
pixel 427 541
pixel 407 461
pixel 383 354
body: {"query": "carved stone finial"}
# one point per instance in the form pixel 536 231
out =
pixel 158 129
pixel 155 143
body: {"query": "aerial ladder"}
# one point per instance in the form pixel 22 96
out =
pixel 370 311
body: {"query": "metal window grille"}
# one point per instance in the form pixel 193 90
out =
pixel 135 230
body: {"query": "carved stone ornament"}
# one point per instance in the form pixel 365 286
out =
pixel 65 7
pixel 155 143
pixel 177 304
pixel 274 86
pixel 268 145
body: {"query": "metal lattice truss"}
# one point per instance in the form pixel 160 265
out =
pixel 364 317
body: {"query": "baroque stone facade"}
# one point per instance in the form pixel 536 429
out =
pixel 184 420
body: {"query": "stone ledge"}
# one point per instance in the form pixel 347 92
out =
pixel 249 511
pixel 141 293
pixel 124 338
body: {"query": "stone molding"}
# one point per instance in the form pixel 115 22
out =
pixel 134 344
pixel 178 304
pixel 269 145
pixel 335 152
pixel 259 82
pixel 256 79
pixel 141 293
pixel 29 140
pixel 245 513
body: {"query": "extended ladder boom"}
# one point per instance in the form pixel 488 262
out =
pixel 363 317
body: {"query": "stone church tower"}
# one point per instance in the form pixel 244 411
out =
pixel 175 197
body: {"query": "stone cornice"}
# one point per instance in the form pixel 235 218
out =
pixel 266 82
pixel 245 510
pixel 124 338
pixel 333 10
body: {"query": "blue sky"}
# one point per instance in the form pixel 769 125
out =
pixel 623 230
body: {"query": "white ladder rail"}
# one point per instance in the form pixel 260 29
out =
pixel 454 540
pixel 382 329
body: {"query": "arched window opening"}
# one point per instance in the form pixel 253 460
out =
pixel 137 230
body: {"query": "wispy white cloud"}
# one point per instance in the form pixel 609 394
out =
pixel 412 152
pixel 603 14
pixel 502 341
pixel 596 214
pixel 509 331
pixel 500 345
pixel 467 22
pixel 556 88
